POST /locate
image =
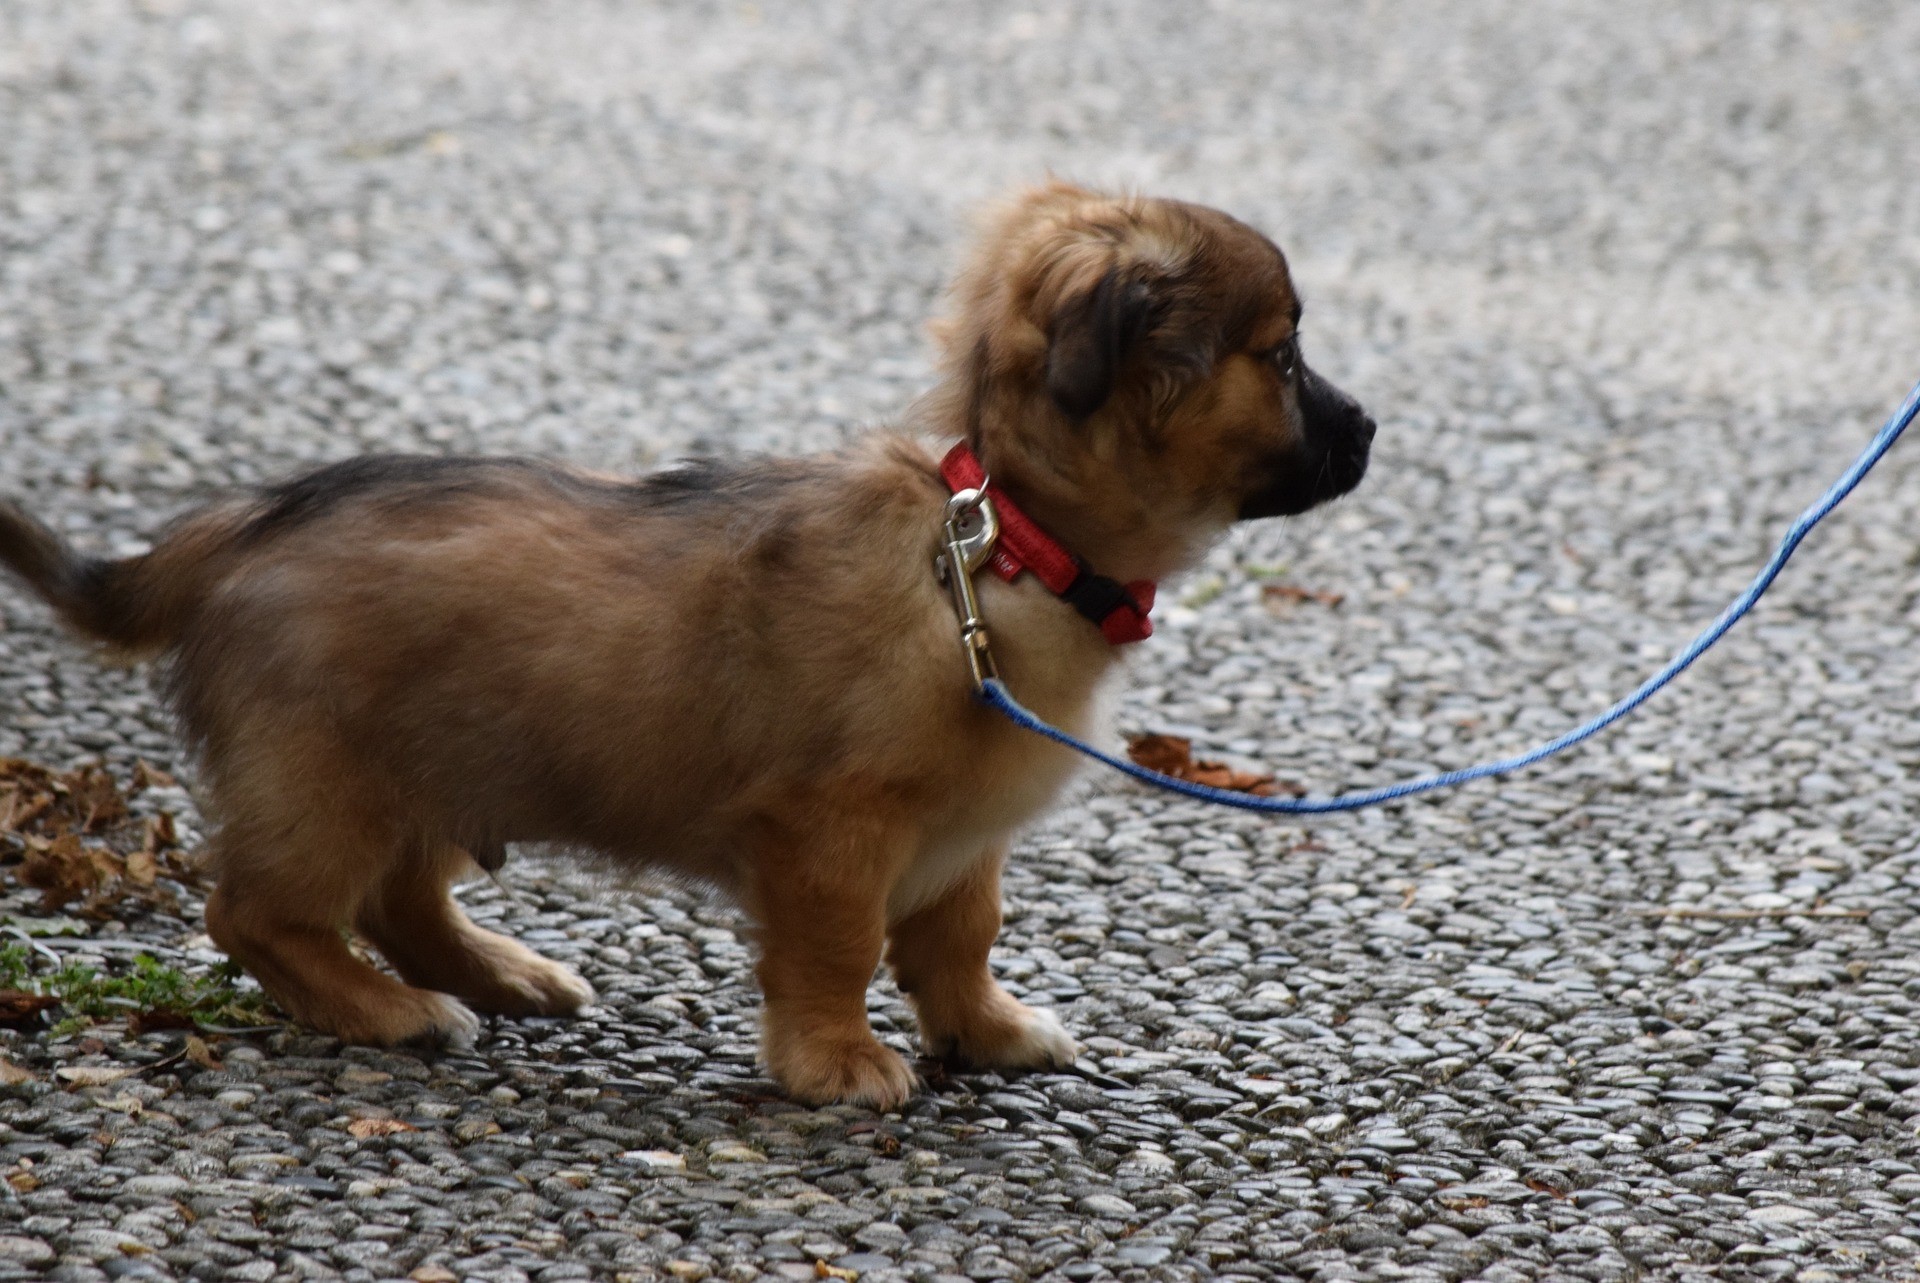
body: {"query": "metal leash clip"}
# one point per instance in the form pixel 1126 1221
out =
pixel 972 527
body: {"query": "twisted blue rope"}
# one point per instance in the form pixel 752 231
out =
pixel 994 693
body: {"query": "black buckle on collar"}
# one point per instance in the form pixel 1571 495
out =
pixel 1097 596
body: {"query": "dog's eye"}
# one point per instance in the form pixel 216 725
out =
pixel 1286 357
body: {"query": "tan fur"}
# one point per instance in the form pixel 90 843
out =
pixel 752 678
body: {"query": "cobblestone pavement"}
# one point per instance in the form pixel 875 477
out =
pixel 1625 284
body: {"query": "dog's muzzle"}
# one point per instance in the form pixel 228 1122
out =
pixel 1338 439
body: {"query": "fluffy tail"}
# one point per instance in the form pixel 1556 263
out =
pixel 135 604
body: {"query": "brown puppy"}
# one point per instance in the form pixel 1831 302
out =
pixel 747 673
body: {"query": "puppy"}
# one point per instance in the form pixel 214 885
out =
pixel 747 673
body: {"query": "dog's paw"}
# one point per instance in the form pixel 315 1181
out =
pixel 847 1072
pixel 1041 1042
pixel 1006 1034
pixel 427 1019
pixel 564 991
pixel 530 985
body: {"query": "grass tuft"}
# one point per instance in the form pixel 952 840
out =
pixel 150 994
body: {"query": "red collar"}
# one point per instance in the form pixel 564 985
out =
pixel 1120 610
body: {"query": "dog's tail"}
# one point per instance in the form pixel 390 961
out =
pixel 134 604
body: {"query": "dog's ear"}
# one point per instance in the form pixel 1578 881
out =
pixel 1089 340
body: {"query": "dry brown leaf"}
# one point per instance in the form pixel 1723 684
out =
pixel 157 1018
pixel 367 1127
pixel 1288 594
pixel 92 1075
pixel 160 832
pixel 821 1270
pixel 95 799
pixel 11 1075
pixel 1167 754
pixel 78 840
pixel 24 806
pixel 59 867
pixel 23 1182
pixel 36 799
pixel 147 776
pixel 433 1274
pixel 201 1054
pixel 1172 755
pixel 18 1007
pixel 143 868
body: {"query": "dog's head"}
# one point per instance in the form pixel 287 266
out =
pixel 1139 360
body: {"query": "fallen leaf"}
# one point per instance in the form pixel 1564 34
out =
pixel 1167 754
pixel 158 1018
pixel 1287 593
pixel 821 1270
pixel 79 840
pixel 201 1054
pixel 91 1075
pixel 11 1075
pixel 62 869
pixel 1173 755
pixel 1541 1187
pixel 433 1274
pixel 147 777
pixel 23 1182
pixel 160 832
pixel 18 1007
pixel 94 798
pixel 368 1127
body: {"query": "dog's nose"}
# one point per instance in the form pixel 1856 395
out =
pixel 1365 430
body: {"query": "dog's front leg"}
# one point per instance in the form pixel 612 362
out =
pixel 939 959
pixel 822 923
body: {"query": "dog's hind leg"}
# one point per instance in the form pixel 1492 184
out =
pixel 414 922
pixel 939 959
pixel 290 879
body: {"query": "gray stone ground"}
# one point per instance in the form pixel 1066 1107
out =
pixel 1624 282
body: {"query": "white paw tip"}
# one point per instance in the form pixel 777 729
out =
pixel 459 1028
pixel 1047 1039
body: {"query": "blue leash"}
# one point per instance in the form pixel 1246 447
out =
pixel 994 693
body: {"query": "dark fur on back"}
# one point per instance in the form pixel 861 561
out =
pixel 399 480
pixel 392 477
pixel 141 603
